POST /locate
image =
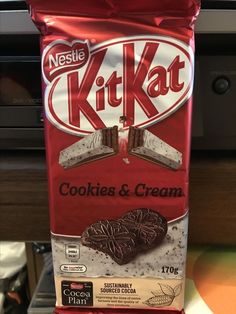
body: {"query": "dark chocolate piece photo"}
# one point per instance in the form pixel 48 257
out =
pixel 149 226
pixel 100 144
pixel 135 232
pixel 112 238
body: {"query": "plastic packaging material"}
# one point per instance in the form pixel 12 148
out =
pixel 117 80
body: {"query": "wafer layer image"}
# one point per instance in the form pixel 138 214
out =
pixel 146 145
pixel 100 144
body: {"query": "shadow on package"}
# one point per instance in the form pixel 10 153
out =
pixel 117 78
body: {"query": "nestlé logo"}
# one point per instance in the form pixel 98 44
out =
pixel 63 57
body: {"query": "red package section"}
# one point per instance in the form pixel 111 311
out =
pixel 113 311
pixel 117 79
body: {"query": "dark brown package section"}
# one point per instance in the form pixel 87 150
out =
pixel 24 209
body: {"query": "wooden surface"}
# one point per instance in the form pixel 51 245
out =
pixel 24 211
pixel 23 197
pixel 35 265
pixel 213 199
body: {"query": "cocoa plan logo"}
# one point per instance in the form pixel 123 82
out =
pixel 127 81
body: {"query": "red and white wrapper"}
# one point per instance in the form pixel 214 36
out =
pixel 124 64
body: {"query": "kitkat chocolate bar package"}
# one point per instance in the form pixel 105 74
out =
pixel 117 79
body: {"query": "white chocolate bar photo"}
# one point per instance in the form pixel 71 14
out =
pixel 146 145
pixel 100 144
